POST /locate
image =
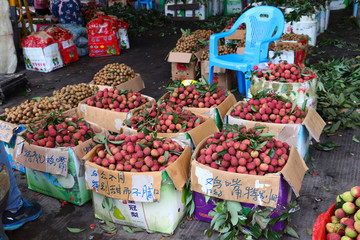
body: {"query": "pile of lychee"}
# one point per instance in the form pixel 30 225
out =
pixel 246 151
pixel 56 131
pixel 164 118
pixel 197 96
pixel 271 108
pixel 345 223
pixel 117 100
pixel 137 153
pixel 286 72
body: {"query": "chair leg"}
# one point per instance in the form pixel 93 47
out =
pixel 247 83
pixel 241 82
pixel 211 74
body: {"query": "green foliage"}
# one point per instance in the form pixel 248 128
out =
pixel 232 221
pixel 338 92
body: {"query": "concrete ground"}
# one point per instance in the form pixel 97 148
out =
pixel 337 171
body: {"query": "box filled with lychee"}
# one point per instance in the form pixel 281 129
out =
pixel 50 150
pixel 169 120
pixel 201 98
pixel 280 117
pixel 143 176
pixel 118 76
pixel 294 82
pixel 245 165
pixel 110 107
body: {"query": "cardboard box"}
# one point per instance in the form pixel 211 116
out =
pixel 8 135
pixel 224 78
pixel 110 120
pixel 191 138
pixel 136 84
pixel 203 208
pixel 298 135
pixel 218 113
pixel 297 93
pixel 203 12
pixel 291 56
pixel 140 199
pixel 56 172
pixel 184 65
pixel 245 188
pixel 43 59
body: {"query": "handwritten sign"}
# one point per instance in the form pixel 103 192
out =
pixel 6 131
pixel 123 185
pixel 259 190
pixel 50 160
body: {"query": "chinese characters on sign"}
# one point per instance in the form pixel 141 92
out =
pixel 122 185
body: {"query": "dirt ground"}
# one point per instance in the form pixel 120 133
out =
pixel 336 171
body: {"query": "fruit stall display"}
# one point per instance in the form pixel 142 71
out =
pixel 50 150
pixel 201 98
pixel 294 82
pixel 342 220
pixel 228 164
pixel 285 119
pixel 138 162
pixel 110 107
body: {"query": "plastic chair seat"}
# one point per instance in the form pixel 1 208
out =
pixel 234 61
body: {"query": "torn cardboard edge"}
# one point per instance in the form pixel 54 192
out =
pixel 136 84
pixel 110 120
pixel 285 132
pixel 7 131
pixel 227 185
pixel 181 57
pixel 237 35
pixel 51 160
pixel 223 107
pixel 105 181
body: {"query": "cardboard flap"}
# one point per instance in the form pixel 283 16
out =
pixel 179 170
pixel 294 170
pixel 203 130
pixel 259 190
pixel 199 53
pixel 136 84
pixel 205 67
pixel 314 123
pixel 226 105
pixel 7 131
pixel 50 160
pixel 70 113
pixel 141 187
pixel 178 57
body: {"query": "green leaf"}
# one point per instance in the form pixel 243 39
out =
pixel 253 108
pixel 109 227
pixel 75 230
pixel 335 127
pixel 127 229
pixel 267 135
pixel 198 120
pixel 107 203
pixel 221 153
pixel 176 118
pixel 328 146
pixel 325 188
pixel 166 155
pixel 355 139
pixel 271 153
pixel 207 198
pixel 309 231
pixel 234 208
pixel 289 230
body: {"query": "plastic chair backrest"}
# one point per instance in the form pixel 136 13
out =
pixel 264 24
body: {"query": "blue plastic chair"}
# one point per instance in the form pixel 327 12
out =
pixel 264 24
pixel 150 4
